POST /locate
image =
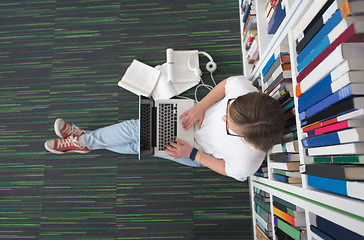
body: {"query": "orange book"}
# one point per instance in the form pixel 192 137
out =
pixel 297 222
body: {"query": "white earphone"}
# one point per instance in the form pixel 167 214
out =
pixel 211 66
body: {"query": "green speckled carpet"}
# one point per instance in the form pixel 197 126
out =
pixel 63 58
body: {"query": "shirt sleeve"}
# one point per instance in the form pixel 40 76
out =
pixel 237 86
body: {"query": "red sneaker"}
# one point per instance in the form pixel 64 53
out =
pixel 61 146
pixel 65 130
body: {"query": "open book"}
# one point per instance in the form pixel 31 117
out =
pixel 142 79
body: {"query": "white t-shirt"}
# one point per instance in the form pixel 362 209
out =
pixel 241 158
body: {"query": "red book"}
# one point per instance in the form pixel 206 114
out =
pixel 319 124
pixel 349 35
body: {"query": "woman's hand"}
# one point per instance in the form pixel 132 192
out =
pixel 181 149
pixel 191 116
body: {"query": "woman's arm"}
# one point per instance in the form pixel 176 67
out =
pixel 182 149
pixel 195 114
pixel 215 164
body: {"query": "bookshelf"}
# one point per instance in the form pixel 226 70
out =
pixel 344 211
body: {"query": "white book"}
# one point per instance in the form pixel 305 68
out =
pixel 339 55
pixel 140 78
pixel 347 78
pixel 355 189
pixel 291 147
pixel 341 149
pixel 266 225
pixel 356 114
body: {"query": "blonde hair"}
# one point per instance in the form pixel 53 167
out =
pixel 261 119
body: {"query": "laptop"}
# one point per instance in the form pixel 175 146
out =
pixel 160 123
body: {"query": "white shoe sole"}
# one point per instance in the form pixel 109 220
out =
pixel 56 127
pixel 48 148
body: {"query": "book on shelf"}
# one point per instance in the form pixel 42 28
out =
pixel 276 19
pixel 253 52
pixel 288 210
pixel 287 204
pixel 288 104
pixel 349 91
pixel 281 60
pixel 341 13
pixel 282 92
pixel 284 157
pixel 349 36
pixel 351 29
pixel 347 106
pixel 337 171
pixel 352 159
pixel 354 123
pixel 334 230
pixel 351 77
pixel 320 235
pixel 294 221
pixel 332 22
pixel 261 192
pixel 276 79
pixel 341 149
pixel 308 90
pixel 265 231
pixel 292 174
pixel 284 77
pixel 343 52
pixel 293 232
pixel 260 234
pixel 282 49
pixel 262 172
pixel 333 138
pixel 266 225
pixel 286 179
pixel 290 113
pixel 343 136
pixel 262 213
pixel 291 136
pixel 270 8
pixel 290 166
pixel 316 24
pixel 281 235
pixel 357 114
pixel 354 189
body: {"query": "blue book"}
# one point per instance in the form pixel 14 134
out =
pixel 339 137
pixel 325 30
pixel 312 55
pixel 276 20
pixel 336 85
pixel 302 115
pixel 268 65
pixel 266 232
pixel 327 184
pixel 335 230
pixel 312 91
pixel 288 106
pixel 320 233
pixel 246 12
pixel 344 93
pixel 323 93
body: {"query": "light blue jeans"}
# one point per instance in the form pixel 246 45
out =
pixel 123 138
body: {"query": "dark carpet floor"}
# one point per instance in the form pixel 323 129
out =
pixel 63 58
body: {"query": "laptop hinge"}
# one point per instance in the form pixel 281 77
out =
pixel 154 127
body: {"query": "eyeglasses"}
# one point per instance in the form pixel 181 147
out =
pixel 228 130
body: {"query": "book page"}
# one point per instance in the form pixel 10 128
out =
pixel 140 78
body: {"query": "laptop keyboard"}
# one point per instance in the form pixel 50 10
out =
pixel 146 122
pixel 167 124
